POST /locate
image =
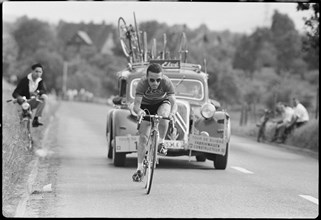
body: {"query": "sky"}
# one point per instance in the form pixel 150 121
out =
pixel 241 17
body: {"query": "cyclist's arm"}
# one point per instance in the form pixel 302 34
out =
pixel 172 100
pixel 137 103
pixel 18 90
pixel 42 88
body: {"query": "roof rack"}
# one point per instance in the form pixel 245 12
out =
pixel 190 66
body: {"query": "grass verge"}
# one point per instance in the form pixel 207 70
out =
pixel 16 161
pixel 305 137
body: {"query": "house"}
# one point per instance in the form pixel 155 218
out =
pixel 97 36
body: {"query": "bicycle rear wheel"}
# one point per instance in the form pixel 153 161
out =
pixel 151 161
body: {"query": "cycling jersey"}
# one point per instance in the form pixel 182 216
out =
pixel 154 96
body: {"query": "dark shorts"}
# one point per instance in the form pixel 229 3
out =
pixel 152 109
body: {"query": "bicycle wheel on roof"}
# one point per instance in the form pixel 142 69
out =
pixel 124 36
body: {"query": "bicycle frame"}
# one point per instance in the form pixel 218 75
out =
pixel 151 159
pixel 25 118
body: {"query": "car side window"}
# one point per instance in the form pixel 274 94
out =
pixel 122 87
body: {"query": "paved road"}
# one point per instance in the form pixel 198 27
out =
pixel 261 181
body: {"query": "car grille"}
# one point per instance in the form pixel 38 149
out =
pixel 182 122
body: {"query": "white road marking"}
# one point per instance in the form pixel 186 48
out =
pixel 242 170
pixel 310 198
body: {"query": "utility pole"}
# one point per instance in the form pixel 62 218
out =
pixel 64 77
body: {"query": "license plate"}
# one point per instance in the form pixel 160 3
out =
pixel 126 143
pixel 174 144
pixel 129 143
pixel 207 144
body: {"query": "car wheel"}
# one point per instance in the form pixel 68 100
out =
pixel 220 161
pixel 109 146
pixel 118 158
pixel 200 158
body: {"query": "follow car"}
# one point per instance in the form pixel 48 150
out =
pixel 203 127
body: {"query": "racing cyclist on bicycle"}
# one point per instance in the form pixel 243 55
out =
pixel 155 94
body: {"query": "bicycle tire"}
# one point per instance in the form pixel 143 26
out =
pixel 154 52
pixel 30 142
pixel 151 158
pixel 124 41
pixel 183 46
pixel 145 46
pixel 164 46
pixel 137 35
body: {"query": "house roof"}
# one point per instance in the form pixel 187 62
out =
pixel 94 33
pixel 85 37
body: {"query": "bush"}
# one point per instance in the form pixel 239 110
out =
pixel 306 136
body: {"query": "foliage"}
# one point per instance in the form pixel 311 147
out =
pixel 306 136
pixel 312 23
pixel 9 50
pixel 287 40
pixel 236 63
pixel 31 35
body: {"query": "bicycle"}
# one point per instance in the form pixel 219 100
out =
pixel 129 40
pixel 25 118
pixel 182 50
pixel 150 160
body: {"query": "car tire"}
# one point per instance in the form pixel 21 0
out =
pixel 220 161
pixel 200 158
pixel 118 158
pixel 109 146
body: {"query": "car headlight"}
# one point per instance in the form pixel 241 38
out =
pixel 131 109
pixel 25 106
pixel 208 110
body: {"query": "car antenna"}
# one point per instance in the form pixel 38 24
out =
pixel 205 65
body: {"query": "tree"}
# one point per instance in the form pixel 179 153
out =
pixel 9 51
pixel 287 41
pixel 311 41
pixel 244 56
pixel 32 34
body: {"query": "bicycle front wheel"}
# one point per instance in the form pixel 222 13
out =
pixel 30 141
pixel 151 161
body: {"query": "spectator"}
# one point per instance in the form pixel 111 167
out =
pixel 283 125
pixel 263 120
pixel 32 85
pixel 301 115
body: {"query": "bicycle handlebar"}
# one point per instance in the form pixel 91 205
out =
pixel 26 100
pixel 149 117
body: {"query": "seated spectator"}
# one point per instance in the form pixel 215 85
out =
pixel 263 120
pixel 284 124
pixel 301 115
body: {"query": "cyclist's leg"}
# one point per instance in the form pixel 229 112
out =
pixel 41 105
pixel 143 138
pixel 163 110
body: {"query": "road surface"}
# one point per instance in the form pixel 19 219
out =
pixel 260 181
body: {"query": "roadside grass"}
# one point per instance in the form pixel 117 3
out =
pixel 16 160
pixel 306 137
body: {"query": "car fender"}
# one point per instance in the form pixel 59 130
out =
pixel 218 126
pixel 123 123
pixel 109 120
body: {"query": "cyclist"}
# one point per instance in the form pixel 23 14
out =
pixel 155 93
pixel 32 85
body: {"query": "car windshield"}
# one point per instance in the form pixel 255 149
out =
pixel 185 88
